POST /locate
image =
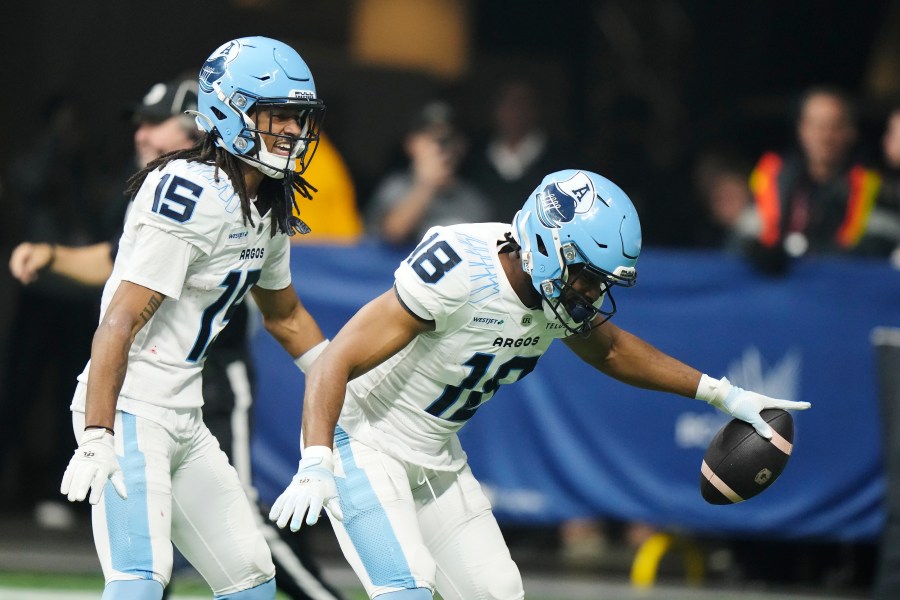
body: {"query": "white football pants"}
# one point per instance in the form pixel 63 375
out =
pixel 181 489
pixel 406 527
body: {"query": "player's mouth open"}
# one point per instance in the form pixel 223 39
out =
pixel 283 148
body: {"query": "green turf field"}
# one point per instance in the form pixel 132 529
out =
pixel 44 586
pixel 49 586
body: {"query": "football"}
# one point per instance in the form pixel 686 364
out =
pixel 740 464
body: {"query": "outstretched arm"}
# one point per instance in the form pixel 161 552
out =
pixel 90 265
pixel 631 360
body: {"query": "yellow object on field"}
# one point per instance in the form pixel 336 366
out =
pixel 651 552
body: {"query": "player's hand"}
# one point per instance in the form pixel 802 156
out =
pixel 92 465
pixel 27 260
pixel 745 405
pixel 311 488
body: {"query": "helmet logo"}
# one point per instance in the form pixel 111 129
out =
pixel 214 67
pixel 559 202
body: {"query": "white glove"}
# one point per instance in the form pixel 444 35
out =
pixel 741 404
pixel 93 463
pixel 312 487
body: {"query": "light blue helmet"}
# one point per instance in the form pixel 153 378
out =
pixel 578 217
pixel 249 73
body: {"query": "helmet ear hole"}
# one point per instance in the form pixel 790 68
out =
pixel 219 114
pixel 540 246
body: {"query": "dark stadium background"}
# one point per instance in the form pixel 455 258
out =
pixel 639 87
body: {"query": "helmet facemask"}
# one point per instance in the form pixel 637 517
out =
pixel 575 311
pixel 250 146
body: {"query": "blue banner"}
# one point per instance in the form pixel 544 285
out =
pixel 568 441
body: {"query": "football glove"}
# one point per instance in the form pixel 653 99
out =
pixel 92 465
pixel 742 404
pixel 311 488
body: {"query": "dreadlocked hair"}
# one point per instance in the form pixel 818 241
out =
pixel 274 194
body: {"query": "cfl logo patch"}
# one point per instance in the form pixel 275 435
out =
pixel 763 476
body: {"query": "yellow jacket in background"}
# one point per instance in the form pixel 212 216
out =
pixel 332 214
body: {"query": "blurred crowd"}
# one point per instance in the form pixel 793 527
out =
pixel 831 191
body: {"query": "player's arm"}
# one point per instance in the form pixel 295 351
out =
pixel 626 357
pixel 131 307
pixel 378 331
pixel 90 265
pixel 94 461
pixel 287 320
pixel 631 360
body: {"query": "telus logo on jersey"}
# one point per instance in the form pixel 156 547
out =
pixel 251 253
pixel 560 202
pixel 491 321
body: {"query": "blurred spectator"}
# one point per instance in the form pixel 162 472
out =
pixel 818 197
pixel 884 232
pixel 333 215
pixel 516 153
pixel 52 185
pixel 430 191
pixel 721 184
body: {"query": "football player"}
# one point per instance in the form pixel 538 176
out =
pixel 163 126
pixel 473 307
pixel 207 225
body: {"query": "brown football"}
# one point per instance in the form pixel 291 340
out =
pixel 740 464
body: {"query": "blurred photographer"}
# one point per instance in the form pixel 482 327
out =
pixel 429 191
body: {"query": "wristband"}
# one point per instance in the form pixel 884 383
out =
pixel 305 360
pixel 713 391
pixel 109 429
pixel 321 455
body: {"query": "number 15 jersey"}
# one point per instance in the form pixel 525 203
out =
pixel 412 405
pixel 185 237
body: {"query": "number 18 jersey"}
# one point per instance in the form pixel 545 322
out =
pixel 186 238
pixel 412 405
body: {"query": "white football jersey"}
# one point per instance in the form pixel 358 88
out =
pixel 412 405
pixel 185 237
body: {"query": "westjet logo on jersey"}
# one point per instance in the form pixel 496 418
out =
pixel 252 253
pixel 491 321
pixel 237 237
pixel 782 380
